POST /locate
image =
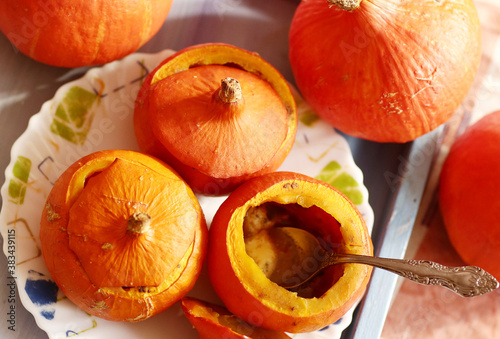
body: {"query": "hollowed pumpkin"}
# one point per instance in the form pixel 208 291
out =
pixel 241 266
pixel 385 70
pixel 213 321
pixel 75 33
pixel 218 114
pixel 122 235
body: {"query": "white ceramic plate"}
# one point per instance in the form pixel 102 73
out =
pixel 95 113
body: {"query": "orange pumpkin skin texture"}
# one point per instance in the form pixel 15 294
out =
pixel 180 118
pixel 468 194
pixel 108 265
pixel 386 71
pixel 213 321
pixel 75 33
pixel 245 289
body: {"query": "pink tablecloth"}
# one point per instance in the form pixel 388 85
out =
pixel 434 312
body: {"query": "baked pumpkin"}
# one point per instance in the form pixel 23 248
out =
pixel 218 114
pixel 245 246
pixel 122 235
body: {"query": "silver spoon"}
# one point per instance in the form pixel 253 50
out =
pixel 467 281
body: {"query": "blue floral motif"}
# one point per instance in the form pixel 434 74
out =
pixel 49 315
pixel 42 292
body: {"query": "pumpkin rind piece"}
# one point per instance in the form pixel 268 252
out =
pixel 213 321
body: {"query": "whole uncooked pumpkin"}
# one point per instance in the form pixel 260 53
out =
pixel 385 70
pixel 468 194
pixel 74 33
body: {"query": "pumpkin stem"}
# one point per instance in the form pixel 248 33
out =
pixel 138 223
pixel 346 5
pixel 230 90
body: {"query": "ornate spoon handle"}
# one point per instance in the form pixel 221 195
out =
pixel 467 281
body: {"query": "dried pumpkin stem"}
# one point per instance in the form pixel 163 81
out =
pixel 138 223
pixel 346 5
pixel 230 90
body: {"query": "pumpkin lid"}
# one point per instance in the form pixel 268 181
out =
pixel 236 119
pixel 131 226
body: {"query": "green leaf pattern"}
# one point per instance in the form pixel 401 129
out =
pixel 74 115
pixel 19 183
pixel 332 174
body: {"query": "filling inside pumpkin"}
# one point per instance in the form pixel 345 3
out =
pixel 277 254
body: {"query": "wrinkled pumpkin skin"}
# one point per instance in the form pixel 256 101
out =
pixel 149 130
pixel 75 33
pixel 242 285
pixel 468 194
pixel 213 321
pixel 387 71
pixel 127 276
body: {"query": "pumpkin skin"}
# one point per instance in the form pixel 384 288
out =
pixel 468 194
pixel 107 265
pixel 75 33
pixel 241 283
pixel 216 146
pixel 387 70
pixel 213 321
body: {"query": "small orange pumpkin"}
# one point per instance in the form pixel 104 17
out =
pixel 213 321
pixel 239 234
pixel 385 70
pixel 468 194
pixel 218 114
pixel 122 235
pixel 75 33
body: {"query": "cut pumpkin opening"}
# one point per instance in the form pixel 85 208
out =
pixel 276 253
